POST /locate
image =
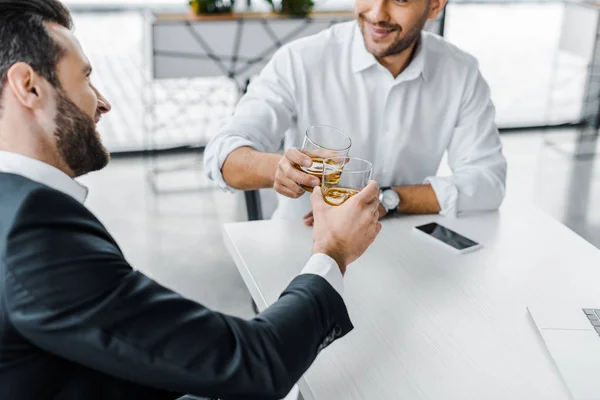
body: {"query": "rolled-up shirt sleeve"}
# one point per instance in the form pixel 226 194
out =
pixel 475 155
pixel 261 118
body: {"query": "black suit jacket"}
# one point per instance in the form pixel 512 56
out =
pixel 77 322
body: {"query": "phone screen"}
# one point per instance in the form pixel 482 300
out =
pixel 447 236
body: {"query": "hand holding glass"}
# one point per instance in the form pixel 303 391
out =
pixel 343 177
pixel 321 142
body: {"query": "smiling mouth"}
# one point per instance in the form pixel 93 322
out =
pixel 379 33
pixel 384 30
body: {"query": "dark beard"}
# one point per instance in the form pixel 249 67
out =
pixel 405 41
pixel 78 142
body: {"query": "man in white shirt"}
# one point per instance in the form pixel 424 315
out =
pixel 76 321
pixel 404 96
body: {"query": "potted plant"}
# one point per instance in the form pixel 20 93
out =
pixel 203 7
pixel 294 8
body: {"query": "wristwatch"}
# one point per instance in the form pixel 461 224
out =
pixel 389 199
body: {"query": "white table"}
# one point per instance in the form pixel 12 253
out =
pixel 431 324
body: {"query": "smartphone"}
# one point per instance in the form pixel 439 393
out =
pixel 451 239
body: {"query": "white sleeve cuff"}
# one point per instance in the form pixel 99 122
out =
pixel 217 152
pixel 326 267
pixel 446 193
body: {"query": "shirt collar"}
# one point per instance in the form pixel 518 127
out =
pixel 43 173
pixel 362 59
pixel 417 66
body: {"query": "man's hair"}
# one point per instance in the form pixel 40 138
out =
pixel 24 37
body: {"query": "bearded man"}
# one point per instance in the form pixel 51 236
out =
pixel 404 96
pixel 76 321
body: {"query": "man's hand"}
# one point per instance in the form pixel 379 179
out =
pixel 309 218
pixel 288 177
pixel 345 232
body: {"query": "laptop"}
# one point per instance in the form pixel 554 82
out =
pixel 572 335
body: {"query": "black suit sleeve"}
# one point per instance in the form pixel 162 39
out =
pixel 70 291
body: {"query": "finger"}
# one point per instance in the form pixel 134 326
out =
pixel 309 219
pixel 282 179
pixel 374 200
pixel 297 157
pixel 316 199
pixel 372 208
pixel 377 211
pixel 288 193
pixel 377 229
pixel 369 220
pixel 299 177
pixel 284 190
pixel 293 186
pixel 374 231
pixel 373 205
pixel 369 194
pixel 381 211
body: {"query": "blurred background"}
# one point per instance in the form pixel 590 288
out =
pixel 171 83
pixel 537 77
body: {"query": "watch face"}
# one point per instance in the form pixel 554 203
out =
pixel 390 199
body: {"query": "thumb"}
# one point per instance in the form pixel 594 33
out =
pixel 316 198
pixel 369 193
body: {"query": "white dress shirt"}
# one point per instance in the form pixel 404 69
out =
pixel 403 125
pixel 40 172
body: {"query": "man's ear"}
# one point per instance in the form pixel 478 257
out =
pixel 435 8
pixel 27 86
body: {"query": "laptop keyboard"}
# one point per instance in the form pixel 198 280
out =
pixel 594 317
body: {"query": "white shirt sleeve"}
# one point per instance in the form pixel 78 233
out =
pixel 261 118
pixel 474 155
pixel 325 266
